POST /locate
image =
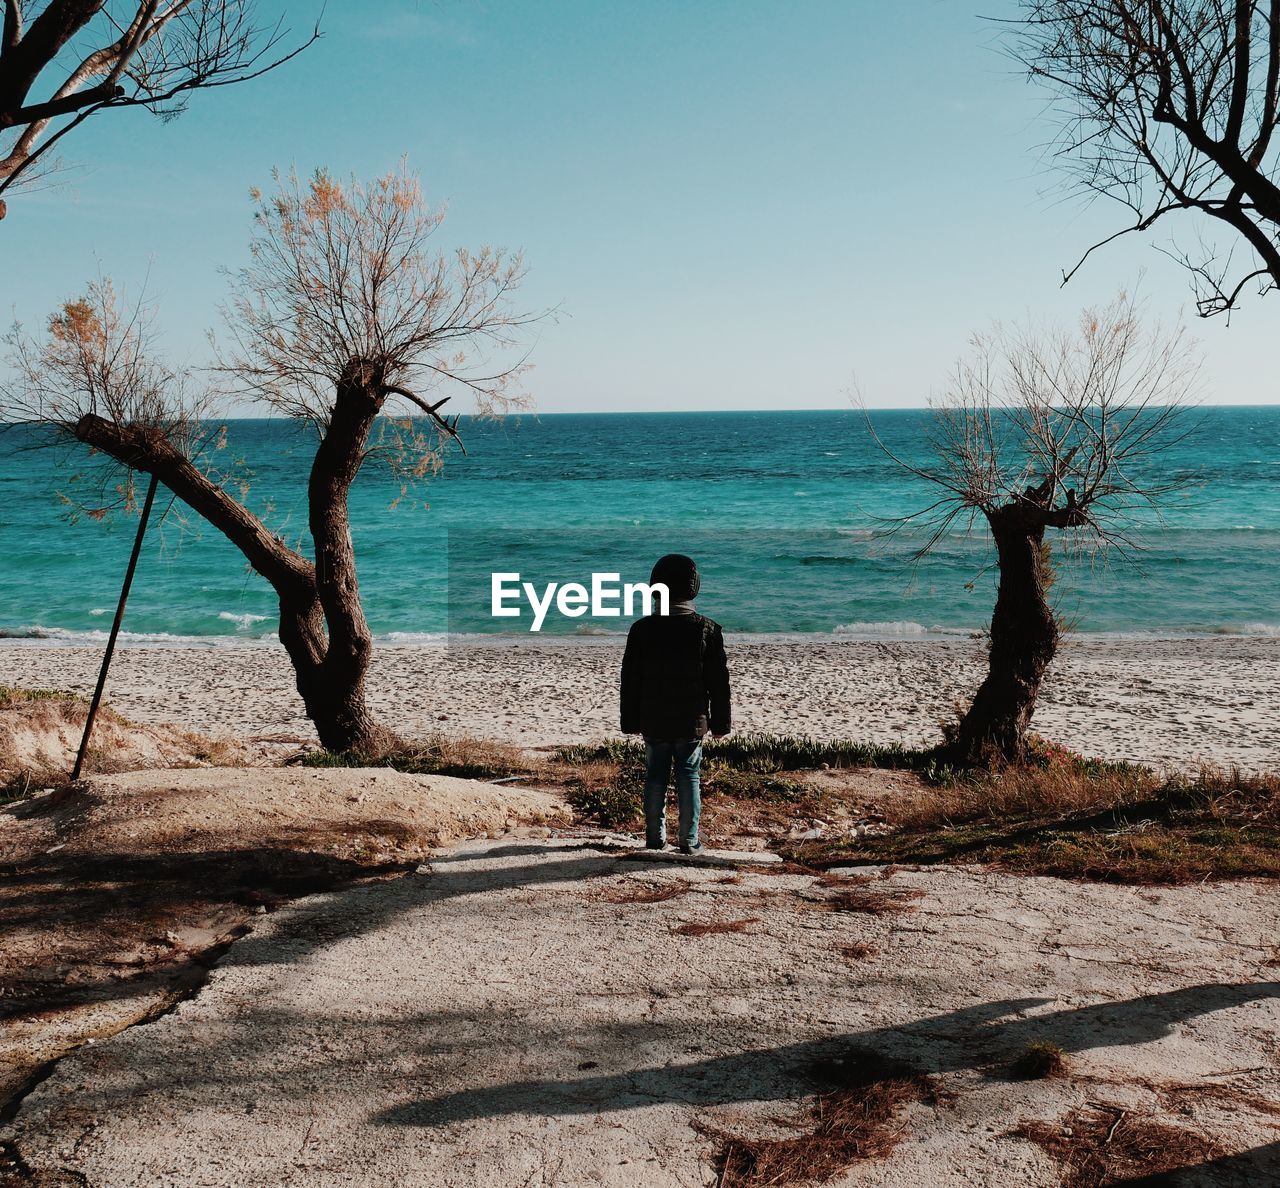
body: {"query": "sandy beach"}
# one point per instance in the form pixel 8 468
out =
pixel 1173 703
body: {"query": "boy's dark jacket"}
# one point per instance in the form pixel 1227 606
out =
pixel 675 677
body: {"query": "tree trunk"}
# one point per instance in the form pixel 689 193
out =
pixel 336 706
pixel 322 625
pixel 334 690
pixel 1024 638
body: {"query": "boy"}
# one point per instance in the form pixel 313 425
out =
pixel 675 686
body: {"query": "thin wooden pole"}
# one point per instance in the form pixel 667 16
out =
pixel 115 626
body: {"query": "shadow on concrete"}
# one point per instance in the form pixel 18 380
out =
pixel 967 1038
pixel 1255 1168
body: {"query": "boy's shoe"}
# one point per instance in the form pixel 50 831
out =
pixel 656 846
pixel 692 851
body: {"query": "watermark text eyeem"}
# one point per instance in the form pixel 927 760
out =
pixel 605 599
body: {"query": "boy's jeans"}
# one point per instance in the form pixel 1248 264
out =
pixel 660 755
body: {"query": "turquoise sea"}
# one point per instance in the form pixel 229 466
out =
pixel 786 513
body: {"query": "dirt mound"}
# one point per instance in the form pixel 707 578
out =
pixel 40 733
pixel 342 812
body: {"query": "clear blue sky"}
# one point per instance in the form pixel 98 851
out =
pixel 736 203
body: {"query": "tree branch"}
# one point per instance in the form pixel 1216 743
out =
pixel 149 450
pixel 433 411
pixel 12 26
pixel 60 21
pixel 104 93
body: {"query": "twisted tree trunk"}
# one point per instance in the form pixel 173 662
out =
pixel 322 623
pixel 334 690
pixel 1024 639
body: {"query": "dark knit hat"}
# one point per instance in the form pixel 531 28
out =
pixel 680 576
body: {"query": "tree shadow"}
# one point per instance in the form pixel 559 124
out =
pixel 106 921
pixel 469 852
pixel 968 1038
pixel 370 908
pixel 101 908
pixel 1254 1168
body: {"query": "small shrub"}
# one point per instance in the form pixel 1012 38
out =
pixel 799 752
pixel 469 759
pixel 13 695
pixel 1038 1060
pixel 718 780
pixel 619 751
pixel 760 753
pixel 614 805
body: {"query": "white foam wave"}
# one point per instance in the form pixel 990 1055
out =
pixel 413 637
pixel 905 628
pixel 242 622
pixel 37 636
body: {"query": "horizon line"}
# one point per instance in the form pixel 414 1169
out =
pixel 639 412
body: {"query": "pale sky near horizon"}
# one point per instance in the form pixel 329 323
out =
pixel 734 203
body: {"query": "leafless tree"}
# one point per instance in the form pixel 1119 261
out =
pixel 1171 105
pixel 344 319
pixel 88 56
pixel 1049 430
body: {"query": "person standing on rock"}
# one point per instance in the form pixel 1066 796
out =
pixel 675 687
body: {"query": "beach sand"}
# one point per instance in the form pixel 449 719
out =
pixel 1171 703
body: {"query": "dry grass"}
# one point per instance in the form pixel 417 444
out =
pixel 1087 821
pixel 1059 815
pixel 1107 1145
pixel 40 731
pixel 1020 792
pixel 1184 1096
pixel 872 900
pixel 833 878
pixel 11 695
pixel 713 927
pixel 857 1116
pixel 466 758
pixel 647 893
pixel 859 951
pixel 752 785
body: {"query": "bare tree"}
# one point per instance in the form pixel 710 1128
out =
pixel 1048 430
pixel 345 320
pixel 92 55
pixel 1171 105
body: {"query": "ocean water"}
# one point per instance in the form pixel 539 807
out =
pixel 787 513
